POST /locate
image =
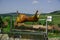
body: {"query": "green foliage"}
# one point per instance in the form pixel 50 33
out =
pixel 42 22
pixel 6 29
pixel 56 31
pixel 53 35
pixel 29 23
pixel 58 25
pixel 7 19
pixel 50 23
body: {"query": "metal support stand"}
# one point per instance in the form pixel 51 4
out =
pixel 46 30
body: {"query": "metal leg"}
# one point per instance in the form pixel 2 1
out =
pixel 45 37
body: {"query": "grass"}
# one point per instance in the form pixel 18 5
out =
pixel 53 35
pixel 55 18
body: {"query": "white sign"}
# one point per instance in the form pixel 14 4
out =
pixel 49 18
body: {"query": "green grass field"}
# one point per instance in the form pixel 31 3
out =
pixel 55 18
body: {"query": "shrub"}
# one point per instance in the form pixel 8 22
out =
pixel 58 25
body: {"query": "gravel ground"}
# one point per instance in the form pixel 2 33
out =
pixel 5 37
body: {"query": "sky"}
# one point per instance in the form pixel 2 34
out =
pixel 29 6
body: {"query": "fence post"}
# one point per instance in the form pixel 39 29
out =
pixel 46 30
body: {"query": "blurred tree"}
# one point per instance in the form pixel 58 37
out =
pixel 1 22
pixel 58 25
